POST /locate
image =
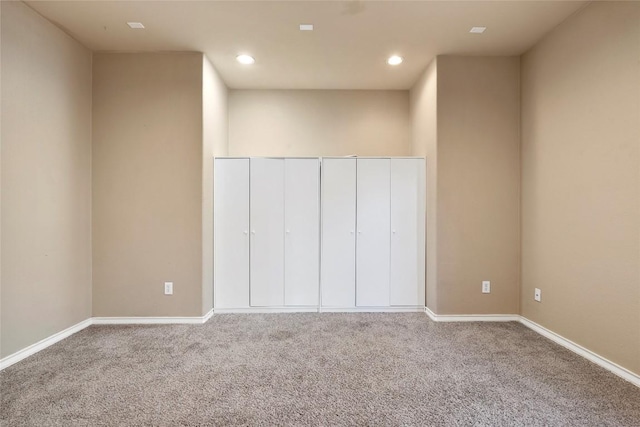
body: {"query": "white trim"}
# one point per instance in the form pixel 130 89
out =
pixel 267 310
pixel 59 336
pixel 586 353
pixel 407 309
pixel 471 317
pixel 207 316
pixel 603 362
pixel 399 309
pixel 430 313
pixel 196 320
pixel 42 344
pixel 353 156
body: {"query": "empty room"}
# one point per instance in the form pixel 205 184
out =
pixel 319 213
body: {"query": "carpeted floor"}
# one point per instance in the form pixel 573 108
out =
pixel 313 369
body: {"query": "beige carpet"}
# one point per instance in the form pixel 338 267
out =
pixel 313 369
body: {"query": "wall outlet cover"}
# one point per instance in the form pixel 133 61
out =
pixel 486 287
pixel 537 295
pixel 168 288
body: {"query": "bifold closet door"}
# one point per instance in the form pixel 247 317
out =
pixel 231 229
pixel 267 232
pixel 407 232
pixel 373 236
pixel 338 232
pixel 302 232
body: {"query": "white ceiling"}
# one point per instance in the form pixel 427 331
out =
pixel 347 49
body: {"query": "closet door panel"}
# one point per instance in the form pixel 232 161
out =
pixel 302 232
pixel 406 227
pixel 373 235
pixel 231 228
pixel 338 233
pixel 267 232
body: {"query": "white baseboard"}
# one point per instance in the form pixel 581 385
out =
pixel 207 316
pixel 408 309
pixel 413 309
pixel 42 344
pixel 472 317
pixel 576 348
pixel 266 310
pixel 603 362
pixel 586 353
pixel 196 320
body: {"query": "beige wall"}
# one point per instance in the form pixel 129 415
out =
pixel 46 179
pixel 214 142
pixel 478 196
pixel 319 123
pixel 147 184
pixel 424 143
pixel 159 118
pixel 581 181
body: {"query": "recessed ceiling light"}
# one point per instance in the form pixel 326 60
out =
pixel 306 27
pixel 135 25
pixel 394 60
pixel 477 30
pixel 245 59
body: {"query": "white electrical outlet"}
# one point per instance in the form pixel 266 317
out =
pixel 537 295
pixel 168 288
pixel 486 287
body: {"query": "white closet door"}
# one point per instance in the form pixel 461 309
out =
pixel 406 219
pixel 302 231
pixel 373 239
pixel 231 230
pixel 267 232
pixel 338 232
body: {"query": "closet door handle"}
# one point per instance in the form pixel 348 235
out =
pixel 245 232
pixel 359 231
pixel 253 231
pixel 351 232
pixel 394 231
